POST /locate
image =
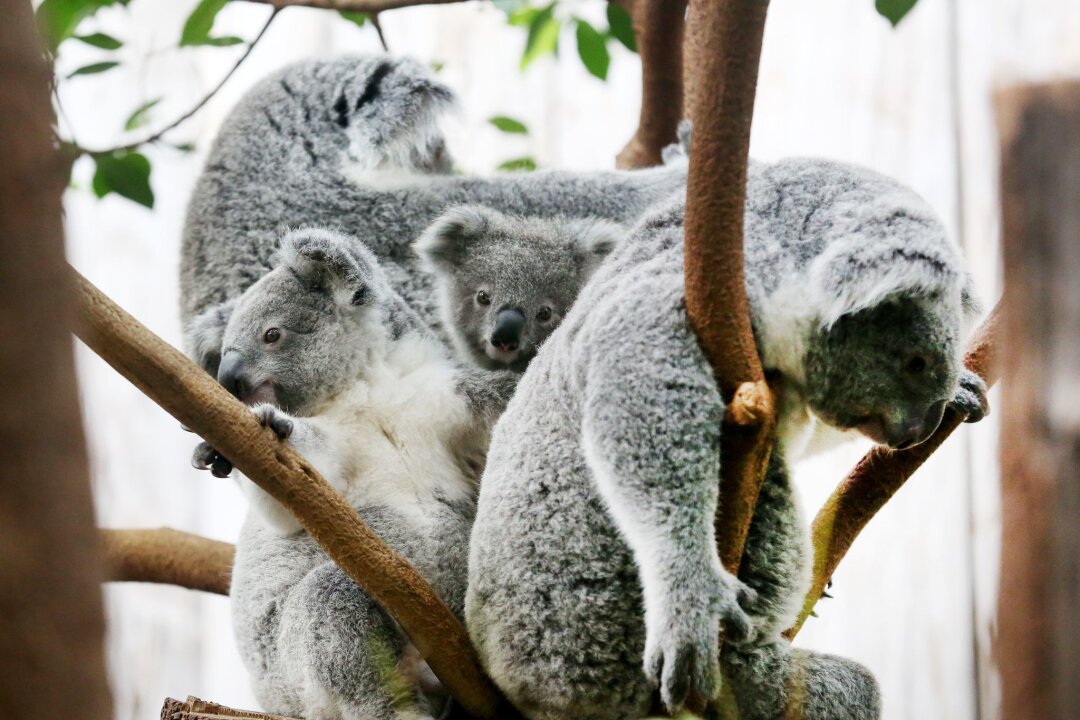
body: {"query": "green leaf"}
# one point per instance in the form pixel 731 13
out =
pixel 895 10
pixel 592 47
pixel 101 40
pixel 141 115
pixel 185 147
pixel 58 19
pixel 509 125
pixel 127 174
pixel 543 36
pixel 226 41
pixel 354 17
pixel 94 69
pixel 622 26
pixel 523 163
pixel 201 21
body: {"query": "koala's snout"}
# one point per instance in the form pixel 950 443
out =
pixel 235 377
pixel 910 432
pixel 509 324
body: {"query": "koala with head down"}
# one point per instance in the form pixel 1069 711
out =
pixel 593 571
pixel 505 282
pixel 339 365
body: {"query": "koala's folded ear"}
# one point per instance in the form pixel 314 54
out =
pixel 595 239
pixel 329 262
pixel 206 334
pixel 446 241
pixel 891 248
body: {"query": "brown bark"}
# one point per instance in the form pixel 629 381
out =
pixel 658 28
pixel 723 50
pixel 51 619
pixel 195 709
pixel 1036 647
pixel 198 402
pixel 164 555
pixel 878 476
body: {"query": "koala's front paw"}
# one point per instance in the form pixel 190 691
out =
pixel 682 642
pixel 971 399
pixel 206 457
pixel 275 419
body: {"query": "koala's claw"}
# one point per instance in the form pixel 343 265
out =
pixel 206 457
pixel 274 419
pixel 971 399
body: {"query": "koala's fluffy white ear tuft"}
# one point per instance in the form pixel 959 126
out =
pixel 207 333
pixel 595 240
pixel 446 241
pixel 329 262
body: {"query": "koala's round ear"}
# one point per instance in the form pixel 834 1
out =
pixel 595 239
pixel 329 262
pixel 206 335
pixel 446 242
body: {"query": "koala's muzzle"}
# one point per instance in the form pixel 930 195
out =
pixel 909 430
pixel 234 376
pixel 509 325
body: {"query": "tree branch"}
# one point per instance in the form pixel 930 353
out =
pixel 163 374
pixel 195 709
pixel 164 555
pixel 658 27
pixel 723 49
pixel 366 6
pixel 877 477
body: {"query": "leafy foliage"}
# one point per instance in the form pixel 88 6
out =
pixel 93 68
pixel 58 19
pixel 199 24
pixel 895 10
pixel 592 48
pixel 141 115
pixel 125 173
pixel 517 164
pixel 359 18
pixel 509 125
pixel 100 40
pixel 621 26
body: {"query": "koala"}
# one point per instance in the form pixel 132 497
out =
pixel 593 571
pixel 337 364
pixel 505 282
pixel 353 144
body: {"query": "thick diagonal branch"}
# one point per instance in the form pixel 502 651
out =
pixel 198 402
pixel 723 50
pixel 658 28
pixel 880 474
pixel 164 555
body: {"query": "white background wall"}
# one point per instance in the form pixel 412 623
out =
pixel 915 597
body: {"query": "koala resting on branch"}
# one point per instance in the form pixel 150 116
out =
pixel 593 570
pixel 352 144
pixel 335 362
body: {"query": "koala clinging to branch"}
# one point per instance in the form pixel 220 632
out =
pixel 342 368
pixel 593 569
pixel 353 144
pixel 505 282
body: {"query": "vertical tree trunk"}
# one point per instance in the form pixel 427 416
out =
pixel 1038 649
pixel 51 623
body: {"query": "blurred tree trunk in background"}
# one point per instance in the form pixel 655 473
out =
pixel 1038 647
pixel 51 621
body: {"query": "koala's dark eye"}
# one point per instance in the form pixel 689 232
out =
pixel 915 365
pixel 271 336
pixel 483 298
pixel 543 314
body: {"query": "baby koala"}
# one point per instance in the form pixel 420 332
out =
pixel 504 282
pixel 339 365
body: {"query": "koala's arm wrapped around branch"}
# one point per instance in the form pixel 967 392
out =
pixel 165 555
pixel 723 50
pixel 882 472
pixel 196 400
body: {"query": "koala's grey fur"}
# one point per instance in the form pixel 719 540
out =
pixel 593 571
pixel 532 265
pixel 352 144
pixel 390 421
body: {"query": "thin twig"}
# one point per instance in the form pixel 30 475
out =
pixel 199 106
pixel 378 28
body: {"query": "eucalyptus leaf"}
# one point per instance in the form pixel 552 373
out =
pixel 621 26
pixel 895 10
pixel 354 17
pixel 226 41
pixel 519 164
pixel 201 21
pixel 94 68
pixel 543 37
pixel 58 19
pixel 592 48
pixel 125 173
pixel 100 40
pixel 141 116
pixel 509 125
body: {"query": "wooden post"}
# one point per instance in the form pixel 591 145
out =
pixel 1038 643
pixel 52 625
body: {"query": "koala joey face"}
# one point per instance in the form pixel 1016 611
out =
pixel 305 330
pixel 507 282
pixel 888 371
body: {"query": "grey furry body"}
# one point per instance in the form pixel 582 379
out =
pixel 593 573
pixel 351 144
pixel 337 364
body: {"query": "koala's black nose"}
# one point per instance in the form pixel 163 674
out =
pixel 232 375
pixel 915 431
pixel 508 326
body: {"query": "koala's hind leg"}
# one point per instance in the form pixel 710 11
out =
pixel 777 681
pixel 341 654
